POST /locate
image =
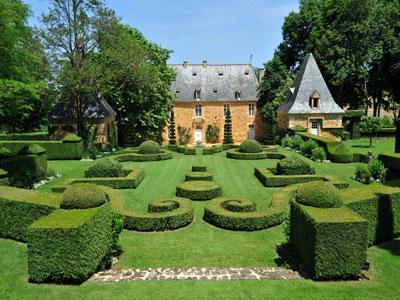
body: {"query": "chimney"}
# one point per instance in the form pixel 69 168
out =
pixel 261 73
pixel 185 62
pixel 204 63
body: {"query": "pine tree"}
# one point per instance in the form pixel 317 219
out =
pixel 228 139
pixel 172 134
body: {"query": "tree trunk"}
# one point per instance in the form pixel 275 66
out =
pixel 397 141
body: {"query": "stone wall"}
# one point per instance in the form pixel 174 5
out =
pixel 213 113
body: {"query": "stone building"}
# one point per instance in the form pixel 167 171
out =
pixel 205 92
pixel 96 111
pixel 309 102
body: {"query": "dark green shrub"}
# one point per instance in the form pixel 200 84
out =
pixel 181 149
pixel 190 151
pixel 287 142
pixel 293 166
pixel 199 168
pixel 19 208
pixel 297 142
pixel 81 196
pixel 391 161
pixel 105 167
pixel 340 153
pixel 308 147
pixel 33 149
pixel 236 154
pixel 135 156
pixel 167 214
pixel 250 146
pixel 4 153
pixel 149 147
pixel 68 246
pixel 4 177
pixel 378 170
pixel 208 151
pixel 202 176
pixel 199 190
pixel 319 194
pixel 319 154
pixel 217 148
pixel 363 174
pixel 298 128
pixel 329 242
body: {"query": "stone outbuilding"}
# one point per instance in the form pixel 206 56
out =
pixel 205 92
pixel 96 111
pixel 309 103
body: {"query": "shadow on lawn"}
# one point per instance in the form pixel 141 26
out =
pixel 392 246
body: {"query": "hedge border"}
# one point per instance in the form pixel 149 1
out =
pixel 199 190
pixel 235 154
pixel 133 155
pixel 130 181
pixel 269 179
pixel 202 176
pixel 199 168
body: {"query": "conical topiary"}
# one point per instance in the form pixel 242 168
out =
pixel 228 139
pixel 171 129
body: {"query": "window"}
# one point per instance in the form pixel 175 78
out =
pixel 246 72
pixel 314 100
pixel 197 94
pixel 252 110
pixel 226 108
pixel 215 91
pixel 194 74
pixel 238 95
pixel 177 92
pixel 220 74
pixel 197 110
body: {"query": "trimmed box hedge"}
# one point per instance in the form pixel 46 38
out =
pixel 218 148
pixel 19 208
pixel 208 151
pixel 190 151
pixel 199 168
pixel 162 215
pixel 55 150
pixel 236 154
pixel 242 214
pixel 381 210
pixel 202 176
pixel 131 181
pixel 391 161
pixel 330 242
pixel 67 246
pixel 269 178
pixel 4 177
pixel 199 190
pixel 294 166
pixel 26 136
pixel 133 155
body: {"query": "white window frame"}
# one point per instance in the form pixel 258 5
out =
pixel 252 110
pixel 198 110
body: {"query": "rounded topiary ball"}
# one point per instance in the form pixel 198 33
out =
pixel 81 196
pixel 105 167
pixel 319 194
pixel 149 147
pixel 250 146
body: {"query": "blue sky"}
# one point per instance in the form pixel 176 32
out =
pixel 220 31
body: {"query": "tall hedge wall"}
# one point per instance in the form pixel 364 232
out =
pixel 67 246
pixel 19 208
pixel 54 149
pixel 330 242
pixel 20 166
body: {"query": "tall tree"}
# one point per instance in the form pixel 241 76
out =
pixel 71 37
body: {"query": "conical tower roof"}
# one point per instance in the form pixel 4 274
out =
pixel 308 83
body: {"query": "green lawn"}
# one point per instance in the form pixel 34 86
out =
pixel 201 244
pixel 379 145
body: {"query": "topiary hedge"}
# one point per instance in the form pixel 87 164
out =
pixel 19 208
pixel 162 215
pixel 131 181
pixel 330 243
pixel 269 179
pixel 319 194
pixel 340 153
pixel 294 166
pixel 202 176
pixel 149 147
pixel 105 167
pixel 381 210
pixel 199 190
pixel 83 195
pixel 208 151
pixel 199 168
pixel 391 161
pixel 190 151
pixel 4 177
pixel 135 156
pixel 67 246
pixel 236 154
pixel 242 214
pixel 250 146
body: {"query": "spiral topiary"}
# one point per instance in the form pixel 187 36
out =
pixel 105 167
pixel 319 194
pixel 149 147
pixel 250 146
pixel 82 196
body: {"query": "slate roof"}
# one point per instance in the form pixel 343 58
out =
pixel 309 80
pixel 216 82
pixel 95 109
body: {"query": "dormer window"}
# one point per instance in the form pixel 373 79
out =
pixel 238 95
pixel 315 100
pixel 246 72
pixel 220 74
pixel 197 94
pixel 215 91
pixel 194 74
pixel 177 92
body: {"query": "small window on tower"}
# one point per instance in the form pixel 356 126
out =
pixel 194 74
pixel 226 108
pixel 238 95
pixel 315 100
pixel 215 91
pixel 197 94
